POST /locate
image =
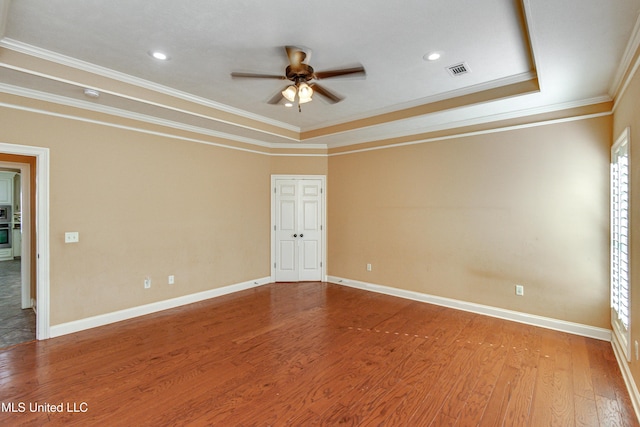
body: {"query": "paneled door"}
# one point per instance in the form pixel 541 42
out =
pixel 298 213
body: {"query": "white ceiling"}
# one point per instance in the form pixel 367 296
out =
pixel 574 47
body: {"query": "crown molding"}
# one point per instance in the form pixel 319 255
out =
pixel 68 61
pixel 131 128
pixel 618 85
pixel 498 117
pixel 98 108
pixel 85 105
pixel 477 120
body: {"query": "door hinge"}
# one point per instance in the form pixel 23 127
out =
pixel 275 190
pixel 321 228
pixel 274 265
pixel 321 190
pixel 274 228
pixel 320 264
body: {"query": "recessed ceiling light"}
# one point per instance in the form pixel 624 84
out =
pixel 159 55
pixel 432 56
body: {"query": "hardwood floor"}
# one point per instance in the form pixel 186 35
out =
pixel 314 354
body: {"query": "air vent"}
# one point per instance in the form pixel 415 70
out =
pixel 458 69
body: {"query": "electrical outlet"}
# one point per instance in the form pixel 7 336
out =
pixel 71 237
pixel 147 282
pixel 519 290
pixel 171 280
pixel 368 267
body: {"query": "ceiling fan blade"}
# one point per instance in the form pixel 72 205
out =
pixel 257 76
pixel 296 55
pixel 341 72
pixel 330 96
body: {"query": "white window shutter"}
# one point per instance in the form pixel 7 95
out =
pixel 620 232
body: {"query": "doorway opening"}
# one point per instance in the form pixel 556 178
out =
pixel 17 317
pixel 25 271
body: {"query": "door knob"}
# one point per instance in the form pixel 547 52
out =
pixel 295 235
pixel 301 235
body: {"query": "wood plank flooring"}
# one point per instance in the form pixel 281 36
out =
pixel 314 354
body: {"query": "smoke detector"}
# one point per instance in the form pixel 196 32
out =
pixel 91 93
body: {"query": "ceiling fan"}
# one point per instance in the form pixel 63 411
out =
pixel 302 76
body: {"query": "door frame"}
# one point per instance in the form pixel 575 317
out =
pixel 25 250
pixel 42 232
pixel 323 221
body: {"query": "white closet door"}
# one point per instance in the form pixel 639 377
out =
pixel 298 230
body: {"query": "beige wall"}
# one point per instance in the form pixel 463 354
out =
pixel 147 205
pixel 144 206
pixel 627 114
pixel 465 218
pixel 299 165
pixel 470 217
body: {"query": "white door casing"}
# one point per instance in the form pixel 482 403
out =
pixel 298 235
pixel 25 249
pixel 42 226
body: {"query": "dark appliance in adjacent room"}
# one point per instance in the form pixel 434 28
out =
pixel 5 226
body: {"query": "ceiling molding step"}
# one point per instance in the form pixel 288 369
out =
pixel 632 72
pixel 147 102
pixel 87 106
pixel 470 90
pixel 480 97
pixel 630 52
pixel 67 61
pixel 299 146
pixel 597 103
pixel 466 134
pixel 479 120
pixel 530 31
pixel 130 128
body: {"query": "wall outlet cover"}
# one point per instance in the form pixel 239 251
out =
pixel 71 237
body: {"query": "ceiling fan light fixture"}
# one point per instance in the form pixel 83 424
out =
pixel 290 93
pixel 305 93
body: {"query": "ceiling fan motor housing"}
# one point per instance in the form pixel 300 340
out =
pixel 300 73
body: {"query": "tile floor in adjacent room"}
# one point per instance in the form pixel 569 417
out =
pixel 16 325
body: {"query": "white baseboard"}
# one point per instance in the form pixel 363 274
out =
pixel 515 316
pixel 129 313
pixel 626 375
